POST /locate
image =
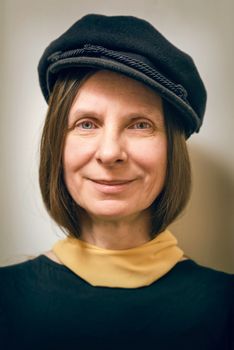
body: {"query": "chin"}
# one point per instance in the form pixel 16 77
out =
pixel 109 210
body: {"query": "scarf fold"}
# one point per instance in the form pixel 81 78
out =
pixel 126 268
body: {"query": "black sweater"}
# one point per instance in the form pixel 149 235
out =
pixel 44 305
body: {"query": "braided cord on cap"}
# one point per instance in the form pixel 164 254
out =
pixel 92 50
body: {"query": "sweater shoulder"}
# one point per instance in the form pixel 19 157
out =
pixel 192 270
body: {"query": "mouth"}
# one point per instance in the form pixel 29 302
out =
pixel 112 182
pixel 111 186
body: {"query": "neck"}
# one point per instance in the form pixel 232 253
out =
pixel 116 234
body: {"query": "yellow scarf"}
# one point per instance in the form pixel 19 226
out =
pixel 128 268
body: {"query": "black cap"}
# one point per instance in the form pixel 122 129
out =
pixel 133 47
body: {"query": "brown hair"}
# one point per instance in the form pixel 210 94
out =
pixel 60 205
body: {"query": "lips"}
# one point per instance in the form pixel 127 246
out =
pixel 111 187
pixel 112 183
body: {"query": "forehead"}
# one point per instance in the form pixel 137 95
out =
pixel 109 88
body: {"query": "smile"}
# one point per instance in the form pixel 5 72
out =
pixel 111 186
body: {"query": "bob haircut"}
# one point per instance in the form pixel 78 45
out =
pixel 58 201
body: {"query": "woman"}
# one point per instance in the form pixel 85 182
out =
pixel 114 173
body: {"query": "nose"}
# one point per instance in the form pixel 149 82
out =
pixel 111 149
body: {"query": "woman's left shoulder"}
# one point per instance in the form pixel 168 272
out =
pixel 205 276
pixel 197 267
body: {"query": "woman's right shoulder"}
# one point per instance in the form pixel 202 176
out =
pixel 13 269
pixel 30 271
pixel 23 269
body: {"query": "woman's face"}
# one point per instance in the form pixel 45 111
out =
pixel 115 151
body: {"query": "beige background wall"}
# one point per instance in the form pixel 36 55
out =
pixel 202 28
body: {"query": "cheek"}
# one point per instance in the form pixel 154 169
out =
pixel 76 154
pixel 153 157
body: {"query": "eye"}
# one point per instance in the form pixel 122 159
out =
pixel 85 125
pixel 142 125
